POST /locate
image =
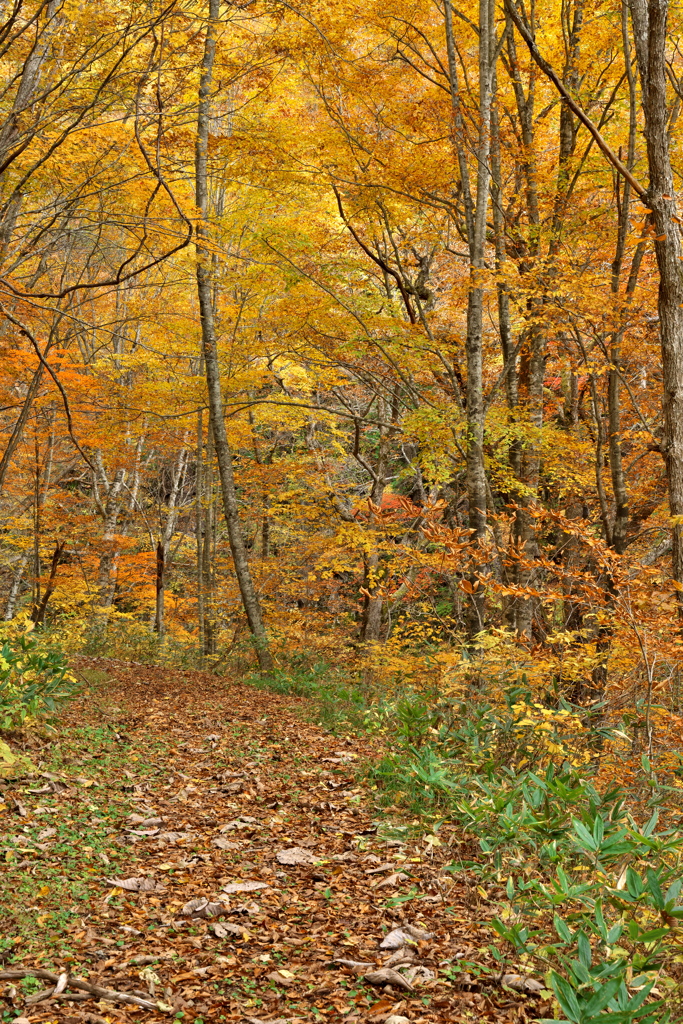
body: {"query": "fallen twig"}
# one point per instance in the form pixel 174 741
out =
pixel 109 995
pixel 49 993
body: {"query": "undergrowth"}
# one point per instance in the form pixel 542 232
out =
pixel 588 879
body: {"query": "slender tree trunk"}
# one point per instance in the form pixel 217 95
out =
pixel 199 519
pixel 476 476
pixel 160 589
pixel 17 432
pixel 476 208
pixel 649 19
pixel 164 544
pixel 111 517
pixel 16 587
pixel 38 614
pixel 208 545
pixel 205 285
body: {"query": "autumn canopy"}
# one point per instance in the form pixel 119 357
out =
pixel 348 330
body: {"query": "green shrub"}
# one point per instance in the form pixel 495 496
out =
pixel 34 677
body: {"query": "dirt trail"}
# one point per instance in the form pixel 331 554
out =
pixel 196 791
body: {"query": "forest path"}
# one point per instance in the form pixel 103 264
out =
pixel 191 789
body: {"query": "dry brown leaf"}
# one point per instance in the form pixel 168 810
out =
pixel 522 983
pixel 418 973
pixel 202 907
pixel 277 1020
pixel 387 976
pixel 355 965
pixel 295 856
pixel 396 938
pixel 419 934
pixel 222 929
pixel 225 844
pixel 381 1006
pixel 249 886
pixel 134 884
pixel 392 880
pixel 404 955
pixel 389 866
pixel 280 979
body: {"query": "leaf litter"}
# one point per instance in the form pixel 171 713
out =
pixel 349 922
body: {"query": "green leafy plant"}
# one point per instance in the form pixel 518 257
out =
pixel 34 678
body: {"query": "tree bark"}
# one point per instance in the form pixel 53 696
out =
pixel 164 544
pixel 649 19
pixel 16 587
pixel 476 208
pixel 38 614
pixel 17 432
pixel 199 529
pixel 205 287
pixel 160 589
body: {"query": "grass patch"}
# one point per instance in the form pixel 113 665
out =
pixel 335 701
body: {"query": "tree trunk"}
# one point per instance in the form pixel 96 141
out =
pixel 38 614
pixel 199 529
pixel 475 219
pixel 16 587
pixel 111 517
pixel 205 287
pixel 160 589
pixel 16 435
pixel 164 544
pixel 649 19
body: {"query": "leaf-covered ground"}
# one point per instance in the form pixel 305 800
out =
pixel 194 792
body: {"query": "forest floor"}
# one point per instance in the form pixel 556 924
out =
pixel 187 788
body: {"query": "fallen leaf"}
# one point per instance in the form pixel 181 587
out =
pixel 133 884
pixel 387 976
pixel 225 844
pixel 404 955
pixel 419 973
pixel 294 856
pixel 521 983
pixel 396 938
pixel 6 754
pixel 245 886
pixel 355 965
pixel 201 907
pixel 393 880
pixel 381 1007
pixel 389 866
pixel 277 1020
pixel 222 929
pixel 247 908
pixel 419 934
pixel 284 978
